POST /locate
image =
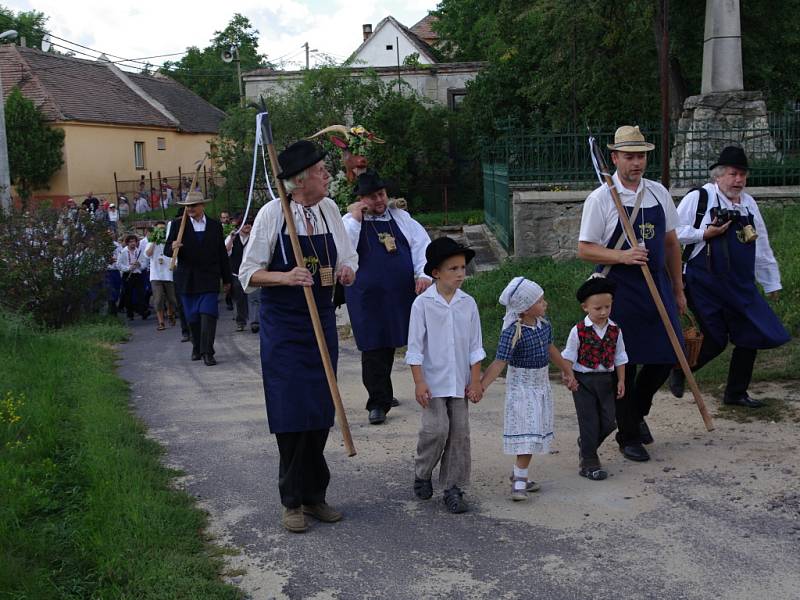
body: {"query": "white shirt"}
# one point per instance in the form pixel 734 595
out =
pixel 199 225
pixel 570 351
pixel 113 215
pixel 446 340
pixel 767 271
pixel 142 206
pixel 415 233
pixel 159 264
pixel 600 216
pixel 143 258
pixel 267 228
pixel 127 257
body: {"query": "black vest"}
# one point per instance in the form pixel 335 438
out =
pixel 237 252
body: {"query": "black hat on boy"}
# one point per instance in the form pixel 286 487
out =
pixel 731 156
pixel 298 157
pixel 440 249
pixel 368 182
pixel 595 285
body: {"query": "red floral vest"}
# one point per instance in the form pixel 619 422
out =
pixel 592 351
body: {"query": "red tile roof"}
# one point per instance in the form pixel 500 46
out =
pixel 73 89
pixel 424 29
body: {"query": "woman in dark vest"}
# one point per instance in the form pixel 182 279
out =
pixel 299 405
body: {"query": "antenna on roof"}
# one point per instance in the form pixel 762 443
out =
pixel 46 45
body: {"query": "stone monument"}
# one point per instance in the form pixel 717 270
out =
pixel 723 113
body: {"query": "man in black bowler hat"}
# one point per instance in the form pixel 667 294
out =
pixel 391 260
pixel 726 252
pixel 299 406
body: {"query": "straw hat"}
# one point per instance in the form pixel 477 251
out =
pixel 194 198
pixel 629 139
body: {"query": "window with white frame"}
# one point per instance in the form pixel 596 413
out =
pixel 161 143
pixel 138 155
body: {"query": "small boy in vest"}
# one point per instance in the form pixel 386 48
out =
pixel 597 353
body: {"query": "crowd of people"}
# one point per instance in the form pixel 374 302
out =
pixel 401 289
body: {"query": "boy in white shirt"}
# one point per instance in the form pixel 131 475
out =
pixel 445 350
pixel 596 352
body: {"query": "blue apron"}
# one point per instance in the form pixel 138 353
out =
pixel 295 387
pixel 203 303
pixel 646 340
pixel 721 286
pixel 379 302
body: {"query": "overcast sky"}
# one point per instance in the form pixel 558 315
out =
pixel 144 28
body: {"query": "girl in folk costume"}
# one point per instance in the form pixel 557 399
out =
pixel 526 346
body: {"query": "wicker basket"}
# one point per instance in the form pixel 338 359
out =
pixel 693 338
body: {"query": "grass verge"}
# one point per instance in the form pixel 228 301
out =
pixel 86 508
pixel 453 217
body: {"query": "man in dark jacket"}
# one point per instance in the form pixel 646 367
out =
pixel 202 262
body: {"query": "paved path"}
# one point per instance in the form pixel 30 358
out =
pixel 712 516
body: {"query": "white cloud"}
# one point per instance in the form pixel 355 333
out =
pixel 134 29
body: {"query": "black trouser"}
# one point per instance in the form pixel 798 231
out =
pixel 641 384
pixel 594 404
pixel 184 324
pixel 133 286
pixel 740 371
pixel 376 373
pixel 303 474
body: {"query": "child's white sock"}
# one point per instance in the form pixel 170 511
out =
pixel 520 473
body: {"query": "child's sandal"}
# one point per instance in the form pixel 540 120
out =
pixel 531 487
pixel 519 494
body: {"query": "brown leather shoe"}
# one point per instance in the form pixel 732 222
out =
pixel 322 512
pixel 294 520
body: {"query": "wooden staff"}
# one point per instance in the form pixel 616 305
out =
pixel 174 261
pixel 266 130
pixel 651 285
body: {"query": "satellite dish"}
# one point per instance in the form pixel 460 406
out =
pixel 229 54
pixel 46 43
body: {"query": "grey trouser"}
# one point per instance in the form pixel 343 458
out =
pixel 247 305
pixel 163 294
pixel 594 403
pixel 444 437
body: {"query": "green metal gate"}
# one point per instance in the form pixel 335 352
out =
pixel 497 203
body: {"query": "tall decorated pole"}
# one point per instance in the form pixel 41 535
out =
pixel 341 417
pixel 602 171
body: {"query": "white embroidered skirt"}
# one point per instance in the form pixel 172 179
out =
pixel 528 425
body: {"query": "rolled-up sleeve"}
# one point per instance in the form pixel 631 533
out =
pixel 570 351
pixel 353 228
pixel 620 356
pixel 258 251
pixel 476 351
pixel 766 268
pixel 345 250
pixel 416 333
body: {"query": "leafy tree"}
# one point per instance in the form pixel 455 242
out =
pixel 34 148
pixel 28 24
pixel 554 63
pixel 205 73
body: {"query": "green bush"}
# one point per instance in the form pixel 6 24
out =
pixel 53 266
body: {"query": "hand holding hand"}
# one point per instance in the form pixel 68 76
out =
pixel 474 392
pixel 422 393
pixel 299 276
pixel 569 381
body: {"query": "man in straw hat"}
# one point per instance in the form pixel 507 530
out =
pixel 299 405
pixel 727 251
pixel 391 259
pixel 602 241
pixel 202 263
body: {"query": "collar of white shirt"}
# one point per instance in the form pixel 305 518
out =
pixel 198 222
pixel 601 331
pixel 622 189
pixel 434 294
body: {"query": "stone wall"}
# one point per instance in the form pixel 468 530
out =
pixel 547 223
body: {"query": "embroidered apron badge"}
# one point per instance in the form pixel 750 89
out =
pixel 312 263
pixel 647 230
